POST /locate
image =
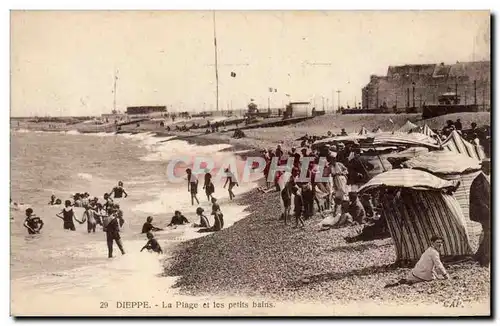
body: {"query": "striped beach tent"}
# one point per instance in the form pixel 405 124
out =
pixel 450 166
pixel 363 131
pixel 407 127
pixel 428 131
pixel 417 209
pixel 456 143
pixel 405 139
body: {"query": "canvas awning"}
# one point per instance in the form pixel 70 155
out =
pixel 443 162
pixel 407 178
pixel 410 152
pixel 343 139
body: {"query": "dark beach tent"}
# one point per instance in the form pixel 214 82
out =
pixel 407 127
pixel 457 144
pixel 450 166
pixel 416 206
pixel 377 130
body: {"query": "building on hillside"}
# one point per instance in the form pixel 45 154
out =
pixel 147 111
pixel 411 87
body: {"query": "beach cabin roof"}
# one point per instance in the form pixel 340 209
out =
pixel 410 152
pixel 444 162
pixel 407 178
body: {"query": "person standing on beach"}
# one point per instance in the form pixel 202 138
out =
pixel 113 233
pixel 298 206
pixel 231 179
pixel 286 196
pixel 208 185
pixel 192 186
pixel 339 174
pixel 480 211
pixel 118 191
pixel 32 222
pixel 67 215
pixel 267 158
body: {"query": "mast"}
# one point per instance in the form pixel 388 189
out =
pixel 216 67
pixel 114 91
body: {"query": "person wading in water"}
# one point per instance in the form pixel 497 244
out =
pixel 33 223
pixel 67 215
pixel 192 186
pixel 113 233
pixel 118 191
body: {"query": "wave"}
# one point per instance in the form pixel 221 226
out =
pixel 85 176
pixel 165 151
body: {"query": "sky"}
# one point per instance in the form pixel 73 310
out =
pixel 64 62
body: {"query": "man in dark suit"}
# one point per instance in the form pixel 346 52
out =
pixel 479 211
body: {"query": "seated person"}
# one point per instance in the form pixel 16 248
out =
pixel 178 219
pixel 356 209
pixel 428 267
pixel 203 219
pixel 152 244
pixel 148 226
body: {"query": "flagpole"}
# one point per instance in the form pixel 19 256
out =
pixel 216 67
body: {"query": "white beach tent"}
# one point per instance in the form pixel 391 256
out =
pixel 407 127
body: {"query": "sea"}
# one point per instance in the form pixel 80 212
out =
pixel 63 272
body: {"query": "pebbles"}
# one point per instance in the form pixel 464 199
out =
pixel 259 255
